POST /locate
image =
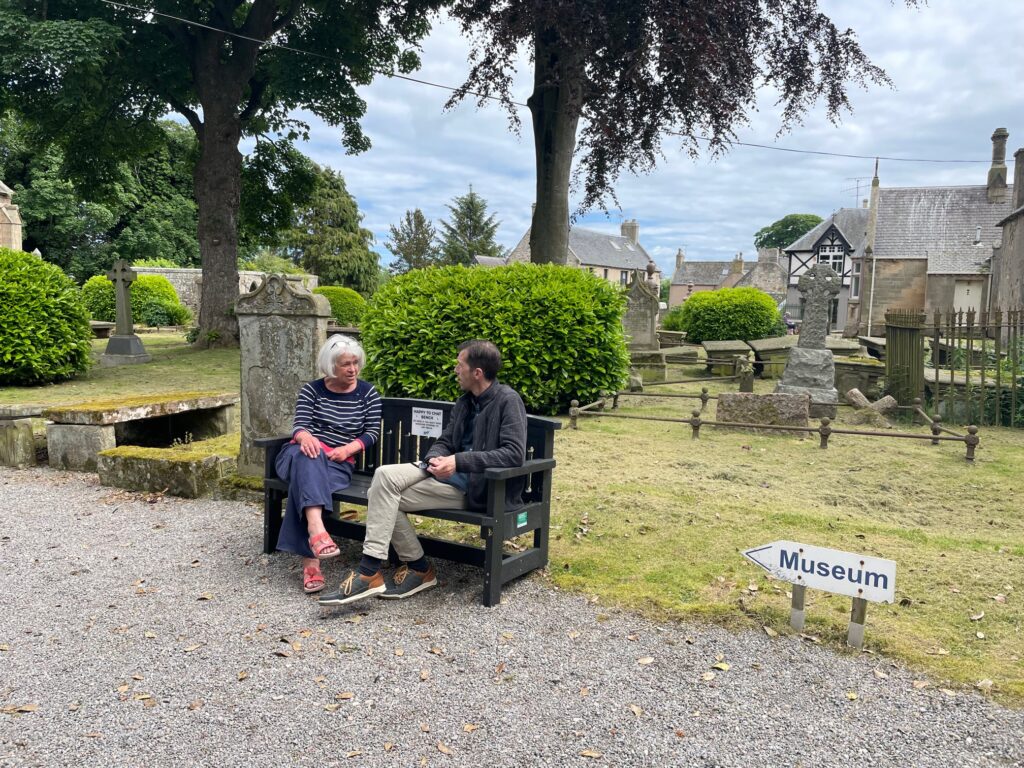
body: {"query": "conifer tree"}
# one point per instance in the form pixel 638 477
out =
pixel 470 232
pixel 413 242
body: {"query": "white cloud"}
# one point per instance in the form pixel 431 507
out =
pixel 956 72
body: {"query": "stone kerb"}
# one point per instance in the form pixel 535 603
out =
pixel 772 354
pixel 774 409
pixel 281 327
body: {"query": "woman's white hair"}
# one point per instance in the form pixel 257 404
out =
pixel 336 346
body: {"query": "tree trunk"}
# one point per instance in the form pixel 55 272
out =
pixel 555 105
pixel 218 184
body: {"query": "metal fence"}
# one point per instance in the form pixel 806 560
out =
pixel 969 366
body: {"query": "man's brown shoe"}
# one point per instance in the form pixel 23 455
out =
pixel 408 582
pixel 355 587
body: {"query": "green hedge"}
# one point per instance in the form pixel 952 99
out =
pixel 153 298
pixel 559 330
pixel 729 313
pixel 44 326
pixel 347 306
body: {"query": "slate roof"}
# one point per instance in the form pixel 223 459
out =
pixel 701 272
pixel 939 224
pixel 852 223
pixel 594 249
pixel 489 261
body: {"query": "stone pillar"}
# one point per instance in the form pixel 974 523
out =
pixel 10 220
pixel 281 327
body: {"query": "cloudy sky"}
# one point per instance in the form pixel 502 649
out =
pixel 957 72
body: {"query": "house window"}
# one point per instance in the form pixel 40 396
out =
pixel 855 280
pixel 623 277
pixel 606 274
pixel 832 256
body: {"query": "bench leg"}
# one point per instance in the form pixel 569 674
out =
pixel 541 536
pixel 272 517
pixel 492 569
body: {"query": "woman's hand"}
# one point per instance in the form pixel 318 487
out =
pixel 308 444
pixel 343 452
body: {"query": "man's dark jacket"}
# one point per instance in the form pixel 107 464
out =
pixel 499 440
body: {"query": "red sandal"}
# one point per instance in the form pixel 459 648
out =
pixel 312 579
pixel 323 546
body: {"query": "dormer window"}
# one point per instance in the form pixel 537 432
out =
pixel 832 255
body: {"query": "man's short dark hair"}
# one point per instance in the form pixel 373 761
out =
pixel 482 354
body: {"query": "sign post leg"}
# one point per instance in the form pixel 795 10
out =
pixel 858 616
pixel 796 609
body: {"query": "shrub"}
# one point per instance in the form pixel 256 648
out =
pixel 729 313
pixel 346 305
pixel 153 298
pixel 160 261
pixel 673 320
pixel 44 326
pixel 559 330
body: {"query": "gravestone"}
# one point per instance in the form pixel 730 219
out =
pixel 10 220
pixel 640 321
pixel 811 368
pixel 124 347
pixel 281 326
pixel 777 409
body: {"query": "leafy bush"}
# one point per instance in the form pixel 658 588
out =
pixel 157 262
pixel 44 326
pixel 267 261
pixel 729 313
pixel 559 330
pixel 347 306
pixel 673 320
pixel 153 298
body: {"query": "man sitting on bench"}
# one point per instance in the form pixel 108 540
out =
pixel 487 429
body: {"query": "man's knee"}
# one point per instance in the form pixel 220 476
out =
pixel 388 476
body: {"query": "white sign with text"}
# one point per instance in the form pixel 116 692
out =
pixel 427 422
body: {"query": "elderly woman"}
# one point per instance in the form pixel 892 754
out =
pixel 336 418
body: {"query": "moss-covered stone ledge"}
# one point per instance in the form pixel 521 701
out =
pixel 191 470
pixel 117 410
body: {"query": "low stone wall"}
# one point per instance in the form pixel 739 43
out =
pixel 188 282
pixel 777 409
pixel 156 470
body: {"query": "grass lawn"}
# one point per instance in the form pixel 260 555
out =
pixel 650 520
pixel 175 367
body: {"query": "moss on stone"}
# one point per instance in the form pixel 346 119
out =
pixel 868 361
pixel 101 406
pixel 247 482
pixel 224 445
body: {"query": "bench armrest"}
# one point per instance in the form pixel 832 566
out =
pixel 266 442
pixel 272 446
pixel 528 468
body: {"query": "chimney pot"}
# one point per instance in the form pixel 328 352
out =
pixel 680 258
pixel 630 230
pixel 864 203
pixel 997 173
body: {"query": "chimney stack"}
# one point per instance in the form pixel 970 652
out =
pixel 737 264
pixel 864 203
pixel 997 173
pixel 680 258
pixel 1018 179
pixel 769 255
pixel 630 230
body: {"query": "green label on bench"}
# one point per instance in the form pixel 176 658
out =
pixel 520 520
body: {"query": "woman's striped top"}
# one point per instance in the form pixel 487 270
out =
pixel 337 418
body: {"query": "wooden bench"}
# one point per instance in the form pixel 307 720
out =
pixel 398 444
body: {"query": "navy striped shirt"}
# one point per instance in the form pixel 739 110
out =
pixel 338 418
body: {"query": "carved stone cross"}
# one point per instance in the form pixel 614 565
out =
pixel 122 276
pixel 818 286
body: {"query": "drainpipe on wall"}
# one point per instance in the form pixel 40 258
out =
pixel 870 250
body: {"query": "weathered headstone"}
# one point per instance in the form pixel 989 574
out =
pixel 811 367
pixel 640 320
pixel 124 347
pixel 281 326
pixel 10 220
pixel 777 409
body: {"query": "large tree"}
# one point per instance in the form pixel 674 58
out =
pixel 632 71
pixel 327 238
pixel 412 241
pixel 96 76
pixel 470 232
pixel 786 230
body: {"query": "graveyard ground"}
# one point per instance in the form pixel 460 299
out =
pixel 647 519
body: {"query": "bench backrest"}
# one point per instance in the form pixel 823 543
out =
pixel 398 443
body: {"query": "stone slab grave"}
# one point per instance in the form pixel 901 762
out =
pixel 777 409
pixel 681 354
pixel 723 353
pixel 771 355
pixel 101 329
pixel 160 470
pixel 17 441
pixel 77 433
pixel 811 368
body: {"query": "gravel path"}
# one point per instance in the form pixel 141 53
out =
pixel 152 634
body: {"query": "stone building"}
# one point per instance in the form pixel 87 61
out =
pixel 611 257
pixel 765 274
pixel 10 220
pixel 929 247
pixel 1008 258
pixel 837 242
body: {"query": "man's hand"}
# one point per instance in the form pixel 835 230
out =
pixel 442 467
pixel 308 444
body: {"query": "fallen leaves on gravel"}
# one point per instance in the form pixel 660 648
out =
pixel 770 632
pixel 919 684
pixel 591 753
pixel 584 691
pixel 721 666
pixel 708 677
pixel 353 753
pixel 470 727
pixel 4 647
pixel 645 660
pixel 984 685
pixel 880 674
pixel 242 675
pixel 424 728
pixel 345 696
pixel 197 704
pixel 205 596
pixel 17 709
pixel 851 695
pixel 636 710
pixel 443 748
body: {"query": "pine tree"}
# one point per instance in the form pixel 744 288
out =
pixel 470 232
pixel 327 239
pixel 413 243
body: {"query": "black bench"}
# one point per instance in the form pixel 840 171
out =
pixel 398 444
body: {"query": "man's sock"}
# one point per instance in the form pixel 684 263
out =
pixel 369 565
pixel 419 565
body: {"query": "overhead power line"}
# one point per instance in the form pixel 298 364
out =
pixel 453 89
